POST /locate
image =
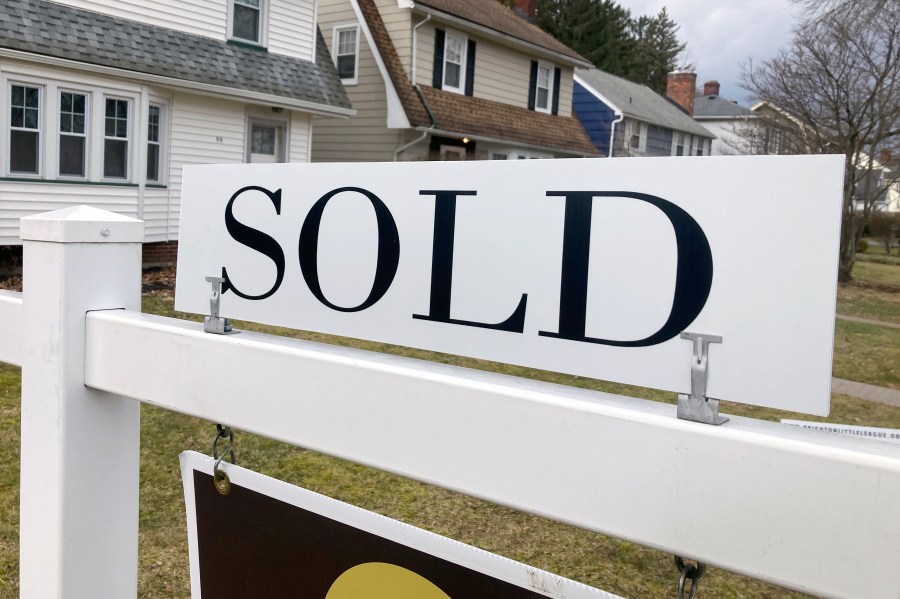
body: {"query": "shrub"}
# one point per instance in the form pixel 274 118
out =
pixel 885 227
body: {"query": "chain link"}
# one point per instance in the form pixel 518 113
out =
pixel 689 572
pixel 220 478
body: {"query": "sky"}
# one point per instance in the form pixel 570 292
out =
pixel 721 35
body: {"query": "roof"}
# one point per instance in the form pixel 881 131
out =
pixel 470 116
pixel 640 102
pixel 477 117
pixel 59 31
pixel 715 106
pixel 499 18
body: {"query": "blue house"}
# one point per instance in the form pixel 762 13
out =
pixel 623 118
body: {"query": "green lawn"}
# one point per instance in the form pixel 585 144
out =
pixel 875 292
pixel 853 300
pixel 877 272
pixel 867 353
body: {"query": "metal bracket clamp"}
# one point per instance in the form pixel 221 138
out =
pixel 214 323
pixel 697 406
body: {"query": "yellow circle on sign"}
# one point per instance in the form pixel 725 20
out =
pixel 376 580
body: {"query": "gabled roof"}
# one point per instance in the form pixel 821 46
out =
pixel 493 15
pixel 62 32
pixel 639 102
pixel 470 116
pixel 714 106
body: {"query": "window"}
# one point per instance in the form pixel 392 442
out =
pixel 499 156
pixel 346 52
pixel 72 134
pixel 454 63
pixel 637 141
pixel 24 129
pixel 154 149
pixel 543 88
pixel 246 20
pixel 679 144
pixel 115 139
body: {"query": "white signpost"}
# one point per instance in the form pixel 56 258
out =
pixel 588 267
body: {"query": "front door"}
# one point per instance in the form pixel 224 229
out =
pixel 266 142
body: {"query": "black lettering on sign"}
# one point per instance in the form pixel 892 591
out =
pixel 693 278
pixel 442 268
pixel 255 240
pixel 388 249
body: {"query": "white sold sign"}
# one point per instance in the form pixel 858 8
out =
pixel 589 267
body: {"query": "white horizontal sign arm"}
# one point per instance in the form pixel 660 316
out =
pixel 787 505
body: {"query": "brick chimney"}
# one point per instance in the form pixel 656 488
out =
pixel 526 9
pixel 681 87
pixel 711 88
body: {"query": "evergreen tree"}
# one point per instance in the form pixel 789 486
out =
pixel 596 29
pixel 656 50
pixel 644 49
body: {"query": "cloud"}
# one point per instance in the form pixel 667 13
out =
pixel 721 35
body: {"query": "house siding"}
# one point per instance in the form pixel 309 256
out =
pixel 364 137
pixel 290 22
pixel 301 138
pixel 596 117
pixel 199 17
pixel 501 74
pixel 198 122
pixel 398 22
pixel 292 26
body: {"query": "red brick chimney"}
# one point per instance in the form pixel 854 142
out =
pixel 681 87
pixel 711 88
pixel 526 9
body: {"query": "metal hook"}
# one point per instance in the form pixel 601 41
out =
pixel 689 572
pixel 214 323
pixel 220 478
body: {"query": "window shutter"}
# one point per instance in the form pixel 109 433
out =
pixel 470 68
pixel 438 58
pixel 556 76
pixel 532 84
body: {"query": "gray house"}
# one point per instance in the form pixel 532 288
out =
pixel 624 118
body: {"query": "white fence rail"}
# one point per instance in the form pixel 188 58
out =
pixel 800 508
pixel 11 327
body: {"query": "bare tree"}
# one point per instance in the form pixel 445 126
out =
pixel 836 89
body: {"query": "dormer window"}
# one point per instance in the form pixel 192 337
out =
pixel 454 63
pixel 346 52
pixel 246 21
pixel 544 88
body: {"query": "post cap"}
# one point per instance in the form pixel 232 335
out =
pixel 81 224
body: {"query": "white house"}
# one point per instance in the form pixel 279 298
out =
pixel 105 101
